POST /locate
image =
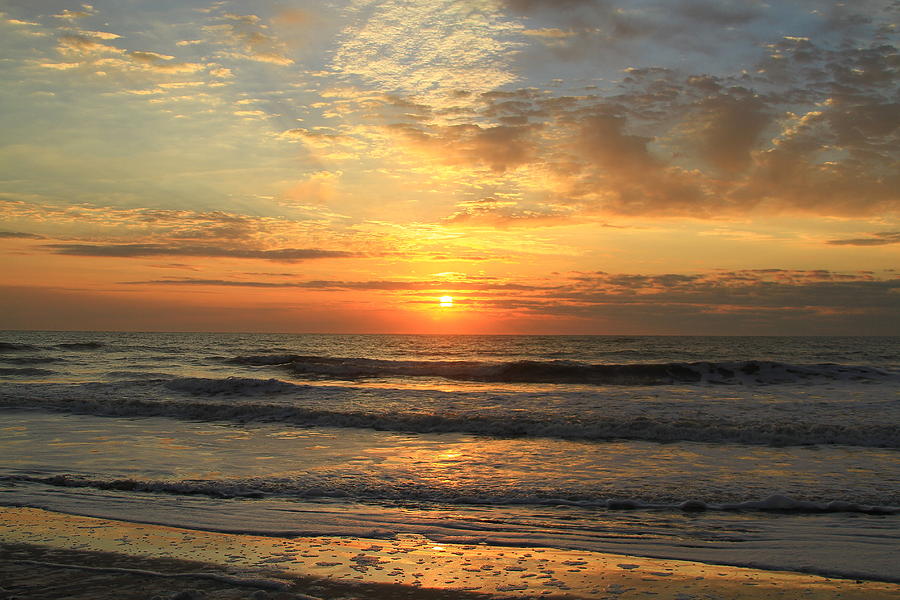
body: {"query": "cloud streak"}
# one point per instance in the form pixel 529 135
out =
pixel 145 250
pixel 756 299
pixel 20 235
pixel 882 238
pixel 331 285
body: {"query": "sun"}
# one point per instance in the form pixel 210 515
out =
pixel 446 300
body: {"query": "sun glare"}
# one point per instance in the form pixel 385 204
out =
pixel 446 300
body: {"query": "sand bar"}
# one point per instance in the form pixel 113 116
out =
pixel 42 550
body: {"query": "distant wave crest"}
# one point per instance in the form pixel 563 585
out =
pixel 752 372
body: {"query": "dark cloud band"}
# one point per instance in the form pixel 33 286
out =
pixel 143 250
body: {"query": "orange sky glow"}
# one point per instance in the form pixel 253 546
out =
pixel 580 166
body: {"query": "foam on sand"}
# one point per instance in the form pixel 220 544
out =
pixel 409 566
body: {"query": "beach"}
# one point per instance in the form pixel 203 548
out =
pixel 428 299
pixel 42 552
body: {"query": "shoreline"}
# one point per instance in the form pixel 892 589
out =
pixel 42 548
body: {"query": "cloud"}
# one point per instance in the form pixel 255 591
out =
pixel 607 30
pixel 504 213
pixel 80 45
pixel 318 138
pixel 21 235
pixel 882 238
pixel 222 228
pixel 312 232
pixel 770 301
pixel 549 33
pixel 809 126
pixel 768 288
pixel 529 6
pixel 449 285
pixel 318 188
pixel 103 35
pixel 428 48
pixel 664 143
pixel 250 39
pixel 87 48
pixel 779 290
pixel 726 128
pixel 162 63
pixel 760 300
pixel 144 250
pixel 87 10
pixel 723 14
pixel 499 148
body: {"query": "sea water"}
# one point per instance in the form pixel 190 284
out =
pixel 774 452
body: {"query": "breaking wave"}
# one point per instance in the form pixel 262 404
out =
pixel 373 489
pixel 751 372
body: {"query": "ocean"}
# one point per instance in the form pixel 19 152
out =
pixel 772 452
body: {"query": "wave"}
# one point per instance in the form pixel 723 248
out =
pixel 232 385
pixel 700 428
pixel 13 347
pixel 24 372
pixel 752 372
pixel 80 345
pixel 136 376
pixel 31 360
pixel 17 347
pixel 310 487
pixel 250 582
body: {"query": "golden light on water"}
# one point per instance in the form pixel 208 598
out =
pixel 446 300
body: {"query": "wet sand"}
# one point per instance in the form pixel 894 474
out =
pixel 47 555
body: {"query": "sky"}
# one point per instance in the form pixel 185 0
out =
pixel 554 166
